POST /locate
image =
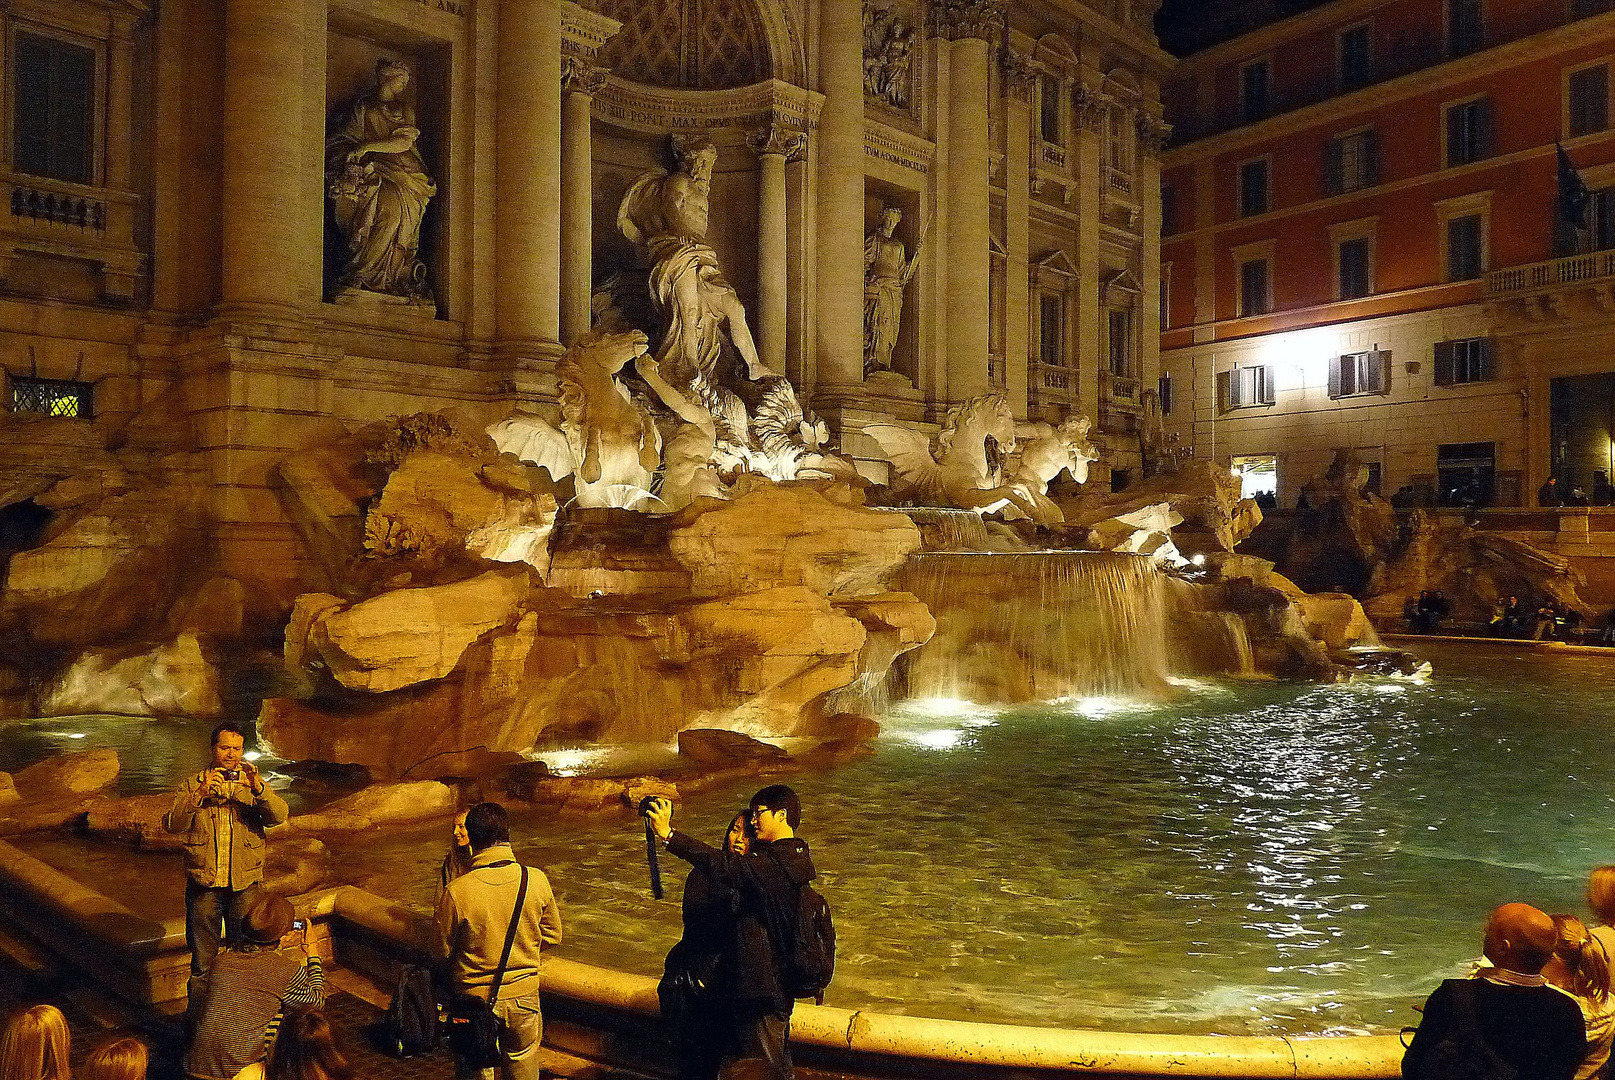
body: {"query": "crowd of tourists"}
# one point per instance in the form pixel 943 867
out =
pixel 257 985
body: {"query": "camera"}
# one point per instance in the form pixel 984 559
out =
pixel 299 924
pixel 230 774
pixel 646 805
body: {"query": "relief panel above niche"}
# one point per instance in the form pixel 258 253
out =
pixel 688 44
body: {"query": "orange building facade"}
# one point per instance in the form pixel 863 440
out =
pixel 1370 242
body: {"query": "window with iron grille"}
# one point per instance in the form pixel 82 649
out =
pixel 50 397
pixel 1589 100
pixel 1465 360
pixel 53 108
pixel 1360 373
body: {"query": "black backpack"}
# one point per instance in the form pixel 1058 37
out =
pixel 411 1021
pixel 812 962
pixel 1464 1054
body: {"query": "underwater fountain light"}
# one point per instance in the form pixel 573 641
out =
pixel 1198 560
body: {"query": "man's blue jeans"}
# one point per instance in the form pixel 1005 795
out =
pixel 207 913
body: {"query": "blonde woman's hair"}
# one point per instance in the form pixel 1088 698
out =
pixel 1583 956
pixel 34 1046
pixel 123 1058
pixel 1601 894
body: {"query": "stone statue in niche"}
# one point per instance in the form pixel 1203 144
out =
pixel 963 466
pixel 888 57
pixel 706 353
pixel 608 440
pixel 887 272
pixel 1043 452
pixel 378 187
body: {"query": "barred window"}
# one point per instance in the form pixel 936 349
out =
pixel 51 397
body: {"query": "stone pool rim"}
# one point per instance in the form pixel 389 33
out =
pixel 606 1011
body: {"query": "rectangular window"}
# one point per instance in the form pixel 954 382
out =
pixel 1469 132
pixel 1244 386
pixel 1121 342
pixel 1352 162
pixel 1164 394
pixel 1169 210
pixel 1588 90
pixel 1253 188
pixel 1466 256
pixel 1253 288
pixel 1355 271
pixel 53 108
pixel 1603 219
pixel 1360 373
pixel 1466 28
pixel 51 397
pixel 1465 360
pixel 1255 91
pixel 1356 57
pixel 1051 323
pixel 1049 109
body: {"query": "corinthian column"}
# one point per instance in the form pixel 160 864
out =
pixel 774 144
pixel 1019 78
pixel 841 194
pixel 580 82
pixel 264 232
pixel 974 27
pixel 527 206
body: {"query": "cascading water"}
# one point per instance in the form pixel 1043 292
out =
pixel 1037 626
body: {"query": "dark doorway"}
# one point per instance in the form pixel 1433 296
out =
pixel 1582 429
pixel 1466 473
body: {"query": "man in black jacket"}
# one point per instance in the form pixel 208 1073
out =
pixel 1530 1025
pixel 750 976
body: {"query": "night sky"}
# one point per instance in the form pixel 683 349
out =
pixel 1186 26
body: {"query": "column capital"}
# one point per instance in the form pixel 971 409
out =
pixel 786 140
pixel 581 75
pixel 1020 75
pixel 1090 106
pixel 1153 133
pixel 958 20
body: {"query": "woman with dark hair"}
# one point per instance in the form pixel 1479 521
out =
pixel 307 1050
pixel 1580 968
pixel 692 965
pixel 458 859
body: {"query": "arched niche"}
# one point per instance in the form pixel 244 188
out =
pixel 702 44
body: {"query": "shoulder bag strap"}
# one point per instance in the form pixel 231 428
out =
pixel 510 939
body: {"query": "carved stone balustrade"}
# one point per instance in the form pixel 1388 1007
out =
pixel 94 226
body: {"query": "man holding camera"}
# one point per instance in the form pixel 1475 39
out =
pixel 223 812
pixel 751 971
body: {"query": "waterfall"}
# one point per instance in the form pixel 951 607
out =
pixel 951 530
pixel 1239 641
pixel 1037 626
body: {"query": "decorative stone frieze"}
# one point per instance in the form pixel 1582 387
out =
pixel 898 147
pixel 888 57
pixel 653 110
pixel 960 19
pixel 584 32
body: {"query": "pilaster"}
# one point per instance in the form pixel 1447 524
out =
pixel 1090 155
pixel 840 331
pixel 1019 79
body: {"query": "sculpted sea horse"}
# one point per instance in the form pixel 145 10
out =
pixel 1042 453
pixel 963 466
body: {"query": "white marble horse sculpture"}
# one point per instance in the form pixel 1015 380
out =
pixel 963 466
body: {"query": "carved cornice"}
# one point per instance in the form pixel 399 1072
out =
pixel 583 32
pixel 656 110
pixel 1020 75
pixel 962 19
pixel 786 140
pixel 898 147
pixel 579 76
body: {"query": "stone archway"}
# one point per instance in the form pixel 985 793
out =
pixel 690 44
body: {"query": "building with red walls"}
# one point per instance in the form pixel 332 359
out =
pixel 1365 246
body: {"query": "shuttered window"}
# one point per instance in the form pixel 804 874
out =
pixel 1351 162
pixel 53 108
pixel 1242 386
pixel 1588 90
pixel 1360 373
pixel 1469 132
pixel 1465 360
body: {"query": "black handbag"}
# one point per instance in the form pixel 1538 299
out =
pixel 474 1031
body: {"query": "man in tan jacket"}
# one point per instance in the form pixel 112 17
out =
pixel 223 813
pixel 473 918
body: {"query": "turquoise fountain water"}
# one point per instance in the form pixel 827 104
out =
pixel 1243 857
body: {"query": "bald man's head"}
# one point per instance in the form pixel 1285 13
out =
pixel 1520 938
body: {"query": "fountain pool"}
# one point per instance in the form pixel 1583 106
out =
pixel 1246 858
